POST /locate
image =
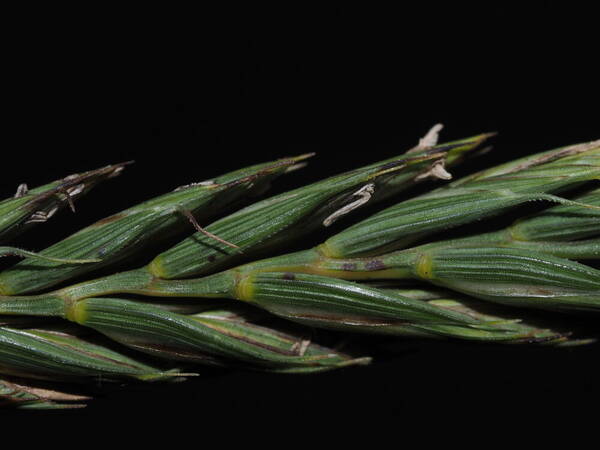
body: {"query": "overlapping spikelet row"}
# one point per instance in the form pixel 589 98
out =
pixel 209 301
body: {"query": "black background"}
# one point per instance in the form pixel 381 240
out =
pixel 191 94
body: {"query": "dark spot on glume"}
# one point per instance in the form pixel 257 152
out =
pixel 289 276
pixel 390 165
pixel 349 266
pixel 375 264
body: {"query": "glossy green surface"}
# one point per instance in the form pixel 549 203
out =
pixel 284 218
pixel 57 355
pixel 117 237
pixel 466 201
pixel 205 338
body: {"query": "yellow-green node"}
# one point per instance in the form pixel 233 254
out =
pixel 329 251
pixel 424 266
pixel 244 288
pixel 76 312
pixel 156 268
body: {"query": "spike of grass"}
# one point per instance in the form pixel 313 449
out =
pixel 525 321
pixel 29 207
pixel 202 338
pixel 559 231
pixel 505 274
pixel 513 276
pixel 289 216
pixel 315 300
pixel 119 236
pixel 188 321
pixel 467 200
pixel 48 354
pixel 22 394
